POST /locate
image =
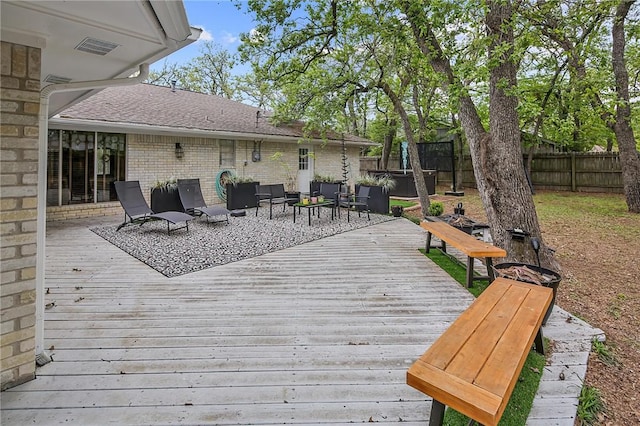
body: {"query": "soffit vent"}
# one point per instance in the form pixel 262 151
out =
pixel 56 79
pixel 95 46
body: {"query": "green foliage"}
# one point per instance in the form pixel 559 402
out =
pixel 590 405
pixel 167 184
pixel 234 179
pixel 604 352
pixel 386 182
pixel 288 173
pixel 324 178
pixel 209 72
pixel 456 270
pixel 403 203
pixel 436 208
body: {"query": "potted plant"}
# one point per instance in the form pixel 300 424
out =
pixel 165 197
pixel 241 192
pixel 532 274
pixel 379 192
pixel 314 187
pixel 290 179
pixel 396 210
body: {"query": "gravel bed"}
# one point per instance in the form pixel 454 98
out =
pixel 206 245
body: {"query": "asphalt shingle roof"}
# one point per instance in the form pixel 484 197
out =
pixel 157 106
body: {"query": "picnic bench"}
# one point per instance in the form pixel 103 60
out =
pixel 474 365
pixel 466 243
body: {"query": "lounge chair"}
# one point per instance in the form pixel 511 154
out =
pixel 193 201
pixel 137 210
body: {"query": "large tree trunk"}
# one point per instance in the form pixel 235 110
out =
pixel 414 157
pixel 388 142
pixel 509 201
pixel 629 159
pixel 496 156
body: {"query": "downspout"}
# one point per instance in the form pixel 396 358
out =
pixel 41 224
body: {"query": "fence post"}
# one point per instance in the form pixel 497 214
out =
pixel 574 184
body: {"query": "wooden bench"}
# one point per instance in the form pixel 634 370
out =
pixel 474 365
pixel 467 244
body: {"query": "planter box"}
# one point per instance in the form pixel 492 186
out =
pixel 165 200
pixel 405 186
pixel 241 195
pixel 378 199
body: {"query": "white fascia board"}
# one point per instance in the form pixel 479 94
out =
pixel 173 18
pixel 114 127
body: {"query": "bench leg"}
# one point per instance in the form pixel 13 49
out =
pixel 469 271
pixel 428 245
pixel 539 342
pixel 490 272
pixel 437 413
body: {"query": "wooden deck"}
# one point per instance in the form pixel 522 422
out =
pixel 319 333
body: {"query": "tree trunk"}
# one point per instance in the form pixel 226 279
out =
pixel 496 157
pixel 458 158
pixel 388 143
pixel 414 157
pixel 629 159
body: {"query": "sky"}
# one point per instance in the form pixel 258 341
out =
pixel 222 24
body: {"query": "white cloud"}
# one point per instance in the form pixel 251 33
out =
pixel 228 38
pixel 205 35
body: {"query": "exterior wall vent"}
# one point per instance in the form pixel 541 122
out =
pixel 95 46
pixel 56 79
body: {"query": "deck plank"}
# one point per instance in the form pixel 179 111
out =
pixel 318 333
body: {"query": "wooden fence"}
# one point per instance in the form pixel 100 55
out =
pixel 587 172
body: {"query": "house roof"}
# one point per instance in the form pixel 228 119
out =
pixel 150 109
pixel 94 40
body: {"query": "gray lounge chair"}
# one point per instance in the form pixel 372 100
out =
pixel 193 201
pixel 138 211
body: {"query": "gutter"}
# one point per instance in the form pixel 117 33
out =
pixel 41 356
pixel 147 129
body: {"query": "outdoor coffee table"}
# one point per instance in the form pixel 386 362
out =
pixel 310 207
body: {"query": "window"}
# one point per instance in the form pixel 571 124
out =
pixel 227 153
pixel 303 159
pixel 82 166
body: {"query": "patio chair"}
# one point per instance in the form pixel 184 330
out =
pixel 275 194
pixel 193 202
pixel 359 202
pixel 138 211
pixel 330 192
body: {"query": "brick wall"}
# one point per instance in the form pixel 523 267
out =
pixel 151 158
pixel 20 103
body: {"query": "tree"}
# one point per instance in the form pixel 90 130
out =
pixel 629 156
pixel 210 72
pixel 616 114
pixel 331 62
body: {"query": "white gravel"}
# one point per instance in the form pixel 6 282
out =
pixel 206 245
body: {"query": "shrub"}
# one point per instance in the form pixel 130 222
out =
pixel 436 208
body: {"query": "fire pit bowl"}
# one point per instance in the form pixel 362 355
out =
pixel 531 274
